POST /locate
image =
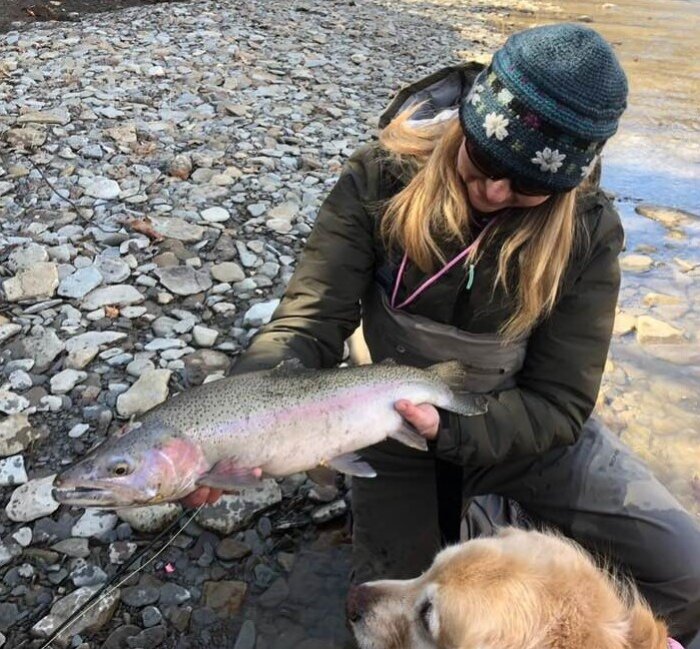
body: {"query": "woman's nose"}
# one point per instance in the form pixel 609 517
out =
pixel 498 191
pixel 360 598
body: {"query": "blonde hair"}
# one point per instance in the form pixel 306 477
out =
pixel 431 213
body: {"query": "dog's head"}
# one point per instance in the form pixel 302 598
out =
pixel 518 590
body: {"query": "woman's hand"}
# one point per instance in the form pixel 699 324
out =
pixel 424 417
pixel 201 496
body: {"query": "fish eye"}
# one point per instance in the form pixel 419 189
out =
pixel 120 469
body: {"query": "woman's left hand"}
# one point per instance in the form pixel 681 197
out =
pixel 424 417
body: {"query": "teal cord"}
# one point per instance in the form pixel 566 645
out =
pixel 470 277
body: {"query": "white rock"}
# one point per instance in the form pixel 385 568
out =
pixel 286 211
pixel 8 330
pixel 38 281
pixel 78 430
pixel 184 280
pixel 80 358
pixel 32 500
pixel 27 256
pixel 215 215
pixel 12 471
pixel 177 228
pixel 651 331
pixel 260 314
pixel 624 323
pixel 65 381
pixel 655 299
pixel 150 390
pixel 204 336
pixel 113 269
pixel 58 116
pixel 94 522
pixel 15 434
pixel 20 380
pixel 139 365
pixel 93 339
pixel 150 519
pixel 11 403
pixel 116 294
pixel 80 283
pixel 104 188
pixel 23 536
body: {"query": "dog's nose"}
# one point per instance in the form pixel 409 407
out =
pixel 359 599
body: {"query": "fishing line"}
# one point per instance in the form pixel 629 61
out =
pixel 98 596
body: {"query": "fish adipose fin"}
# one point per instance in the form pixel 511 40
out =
pixel 455 375
pixel 352 464
pixel 409 436
pixel 227 475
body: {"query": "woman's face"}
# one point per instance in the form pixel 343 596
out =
pixel 486 195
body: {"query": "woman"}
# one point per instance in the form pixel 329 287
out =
pixel 476 233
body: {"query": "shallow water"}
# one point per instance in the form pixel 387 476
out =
pixel 651 393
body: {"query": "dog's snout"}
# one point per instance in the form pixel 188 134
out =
pixel 359 600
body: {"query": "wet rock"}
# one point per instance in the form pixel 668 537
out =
pixel 8 553
pixel 329 512
pixel 148 638
pixel 92 621
pixel 150 616
pixel 39 281
pixel 86 574
pixel 93 339
pixel 636 263
pixel 150 519
pixel 225 597
pixel 118 638
pixel 173 595
pixel 80 283
pixel 9 614
pixel 149 390
pixel 246 636
pixel 32 500
pixel 277 593
pixel 94 522
pixel 669 217
pixel 16 434
pixel 184 280
pixel 650 331
pixel 140 596
pixel 232 510
pixel 230 549
pixel 12 471
pixel 113 295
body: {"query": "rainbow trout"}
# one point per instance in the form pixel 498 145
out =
pixel 272 423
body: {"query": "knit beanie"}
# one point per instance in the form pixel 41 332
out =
pixel 547 103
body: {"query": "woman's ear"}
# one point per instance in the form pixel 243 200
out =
pixel 645 631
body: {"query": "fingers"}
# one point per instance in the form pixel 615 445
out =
pixel 424 417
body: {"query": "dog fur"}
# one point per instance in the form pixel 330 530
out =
pixel 517 590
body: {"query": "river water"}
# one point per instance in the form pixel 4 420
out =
pixel 651 392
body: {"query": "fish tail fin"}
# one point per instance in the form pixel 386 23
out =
pixel 455 376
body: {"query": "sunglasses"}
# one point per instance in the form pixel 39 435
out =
pixel 485 165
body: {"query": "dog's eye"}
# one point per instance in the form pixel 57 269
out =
pixel 424 614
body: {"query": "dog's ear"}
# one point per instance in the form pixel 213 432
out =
pixel 645 631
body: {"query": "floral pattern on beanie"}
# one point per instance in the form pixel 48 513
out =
pixel 586 170
pixel 474 96
pixel 495 124
pixel 548 160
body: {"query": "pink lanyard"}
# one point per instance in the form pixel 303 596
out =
pixel 434 278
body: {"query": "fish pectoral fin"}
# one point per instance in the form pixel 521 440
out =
pixel 226 474
pixel 409 436
pixel 352 464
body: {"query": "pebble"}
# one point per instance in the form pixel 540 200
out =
pixel 65 381
pixel 149 390
pixel 16 434
pixel 215 215
pixel 104 188
pixel 80 283
pixel 150 519
pixel 184 280
pixel 260 314
pixel 12 403
pixel 227 271
pixel 651 330
pixel 94 522
pixel 114 295
pixel 204 336
pixel 38 281
pixel 32 500
pixel 73 547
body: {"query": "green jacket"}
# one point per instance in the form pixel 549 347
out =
pixel 558 385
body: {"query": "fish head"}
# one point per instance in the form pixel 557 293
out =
pixel 142 465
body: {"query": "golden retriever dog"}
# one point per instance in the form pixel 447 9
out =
pixel 517 590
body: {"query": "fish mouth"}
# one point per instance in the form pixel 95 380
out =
pixel 96 495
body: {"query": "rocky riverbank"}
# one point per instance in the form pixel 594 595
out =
pixel 160 170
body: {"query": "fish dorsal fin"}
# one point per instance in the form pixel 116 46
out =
pixel 388 362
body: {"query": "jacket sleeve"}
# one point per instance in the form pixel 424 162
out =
pixel 321 305
pixel 558 385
